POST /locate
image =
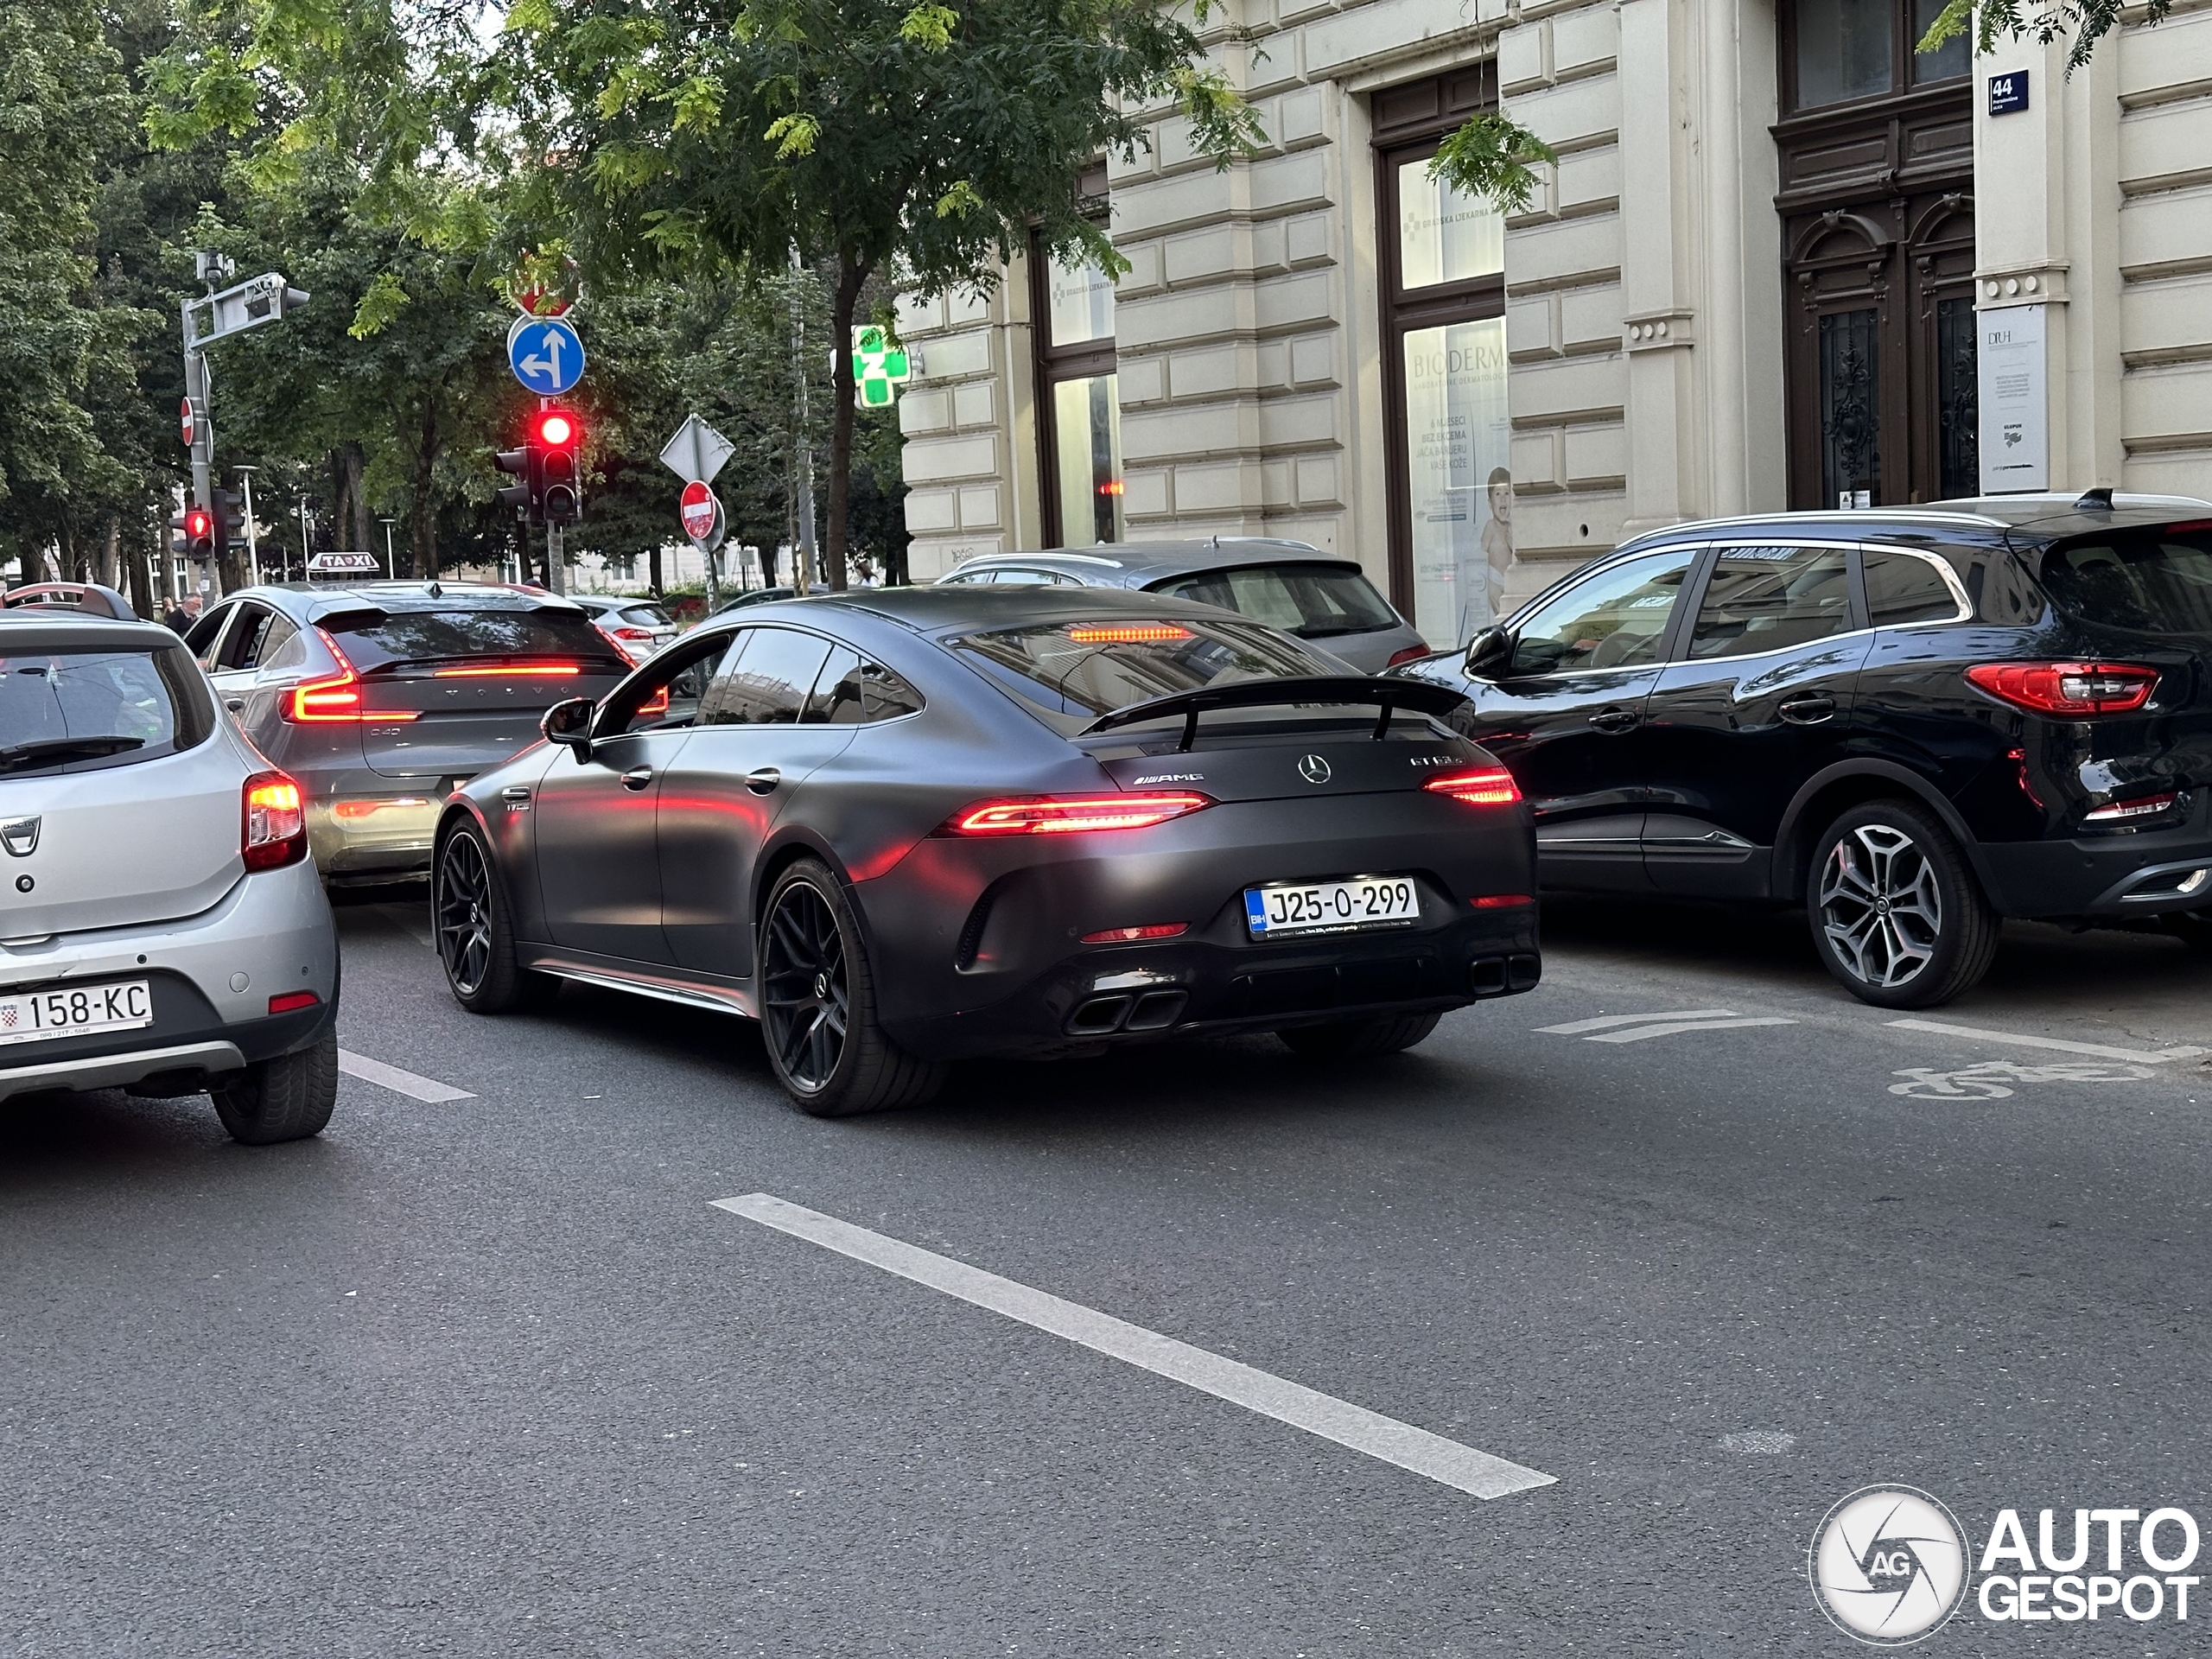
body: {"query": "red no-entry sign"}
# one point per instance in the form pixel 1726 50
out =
pixel 184 421
pixel 697 511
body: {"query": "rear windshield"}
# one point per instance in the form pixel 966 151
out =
pixel 1083 669
pixel 645 616
pixel 1314 601
pixel 441 636
pixel 2156 581
pixel 84 710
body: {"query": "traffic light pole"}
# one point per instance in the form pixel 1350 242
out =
pixel 202 322
pixel 556 579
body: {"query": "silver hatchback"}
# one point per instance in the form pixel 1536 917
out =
pixel 161 926
pixel 1323 598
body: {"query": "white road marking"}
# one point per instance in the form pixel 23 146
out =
pixel 1759 1442
pixel 1615 1028
pixel 1987 1081
pixel 1462 1467
pixel 1670 1028
pixel 428 1089
pixel 2102 1051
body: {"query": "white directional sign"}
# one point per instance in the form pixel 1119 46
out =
pixel 697 453
pixel 546 354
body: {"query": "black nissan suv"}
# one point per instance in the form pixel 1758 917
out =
pixel 1913 720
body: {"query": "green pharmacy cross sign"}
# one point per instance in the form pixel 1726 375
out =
pixel 878 365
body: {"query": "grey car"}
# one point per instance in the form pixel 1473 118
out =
pixel 636 623
pixel 161 929
pixel 1318 596
pixel 383 697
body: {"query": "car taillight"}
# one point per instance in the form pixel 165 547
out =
pixel 2143 806
pixel 292 1001
pixel 525 670
pixel 1410 654
pixel 336 699
pixel 276 827
pixel 1504 901
pixel 625 632
pixel 1054 815
pixel 1491 786
pixel 1127 633
pixel 2068 688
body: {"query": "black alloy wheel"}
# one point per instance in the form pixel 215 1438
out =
pixel 817 1005
pixel 463 913
pixel 475 936
pixel 804 992
pixel 1896 915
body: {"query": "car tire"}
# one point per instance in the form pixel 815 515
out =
pixel 817 1005
pixel 1355 1039
pixel 474 932
pixel 1896 913
pixel 286 1098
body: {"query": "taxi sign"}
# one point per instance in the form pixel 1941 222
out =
pixel 344 564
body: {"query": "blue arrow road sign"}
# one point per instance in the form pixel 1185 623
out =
pixel 545 354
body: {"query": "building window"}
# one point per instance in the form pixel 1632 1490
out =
pixel 1078 402
pixel 1845 50
pixel 1450 439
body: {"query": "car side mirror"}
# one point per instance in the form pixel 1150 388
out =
pixel 1488 653
pixel 569 723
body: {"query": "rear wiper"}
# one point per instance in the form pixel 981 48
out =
pixel 62 750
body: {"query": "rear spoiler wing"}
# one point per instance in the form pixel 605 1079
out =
pixel 1422 696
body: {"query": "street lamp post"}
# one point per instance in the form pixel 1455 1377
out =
pixel 307 551
pixel 390 569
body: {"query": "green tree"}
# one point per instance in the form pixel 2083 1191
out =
pixel 1991 22
pixel 63 103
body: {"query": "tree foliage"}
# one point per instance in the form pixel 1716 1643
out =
pixel 1991 22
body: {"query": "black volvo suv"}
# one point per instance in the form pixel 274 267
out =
pixel 1913 722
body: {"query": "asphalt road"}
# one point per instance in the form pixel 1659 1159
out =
pixel 494 1376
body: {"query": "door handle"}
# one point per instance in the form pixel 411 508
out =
pixel 637 777
pixel 1808 710
pixel 763 781
pixel 1615 720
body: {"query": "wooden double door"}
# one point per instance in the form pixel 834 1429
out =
pixel 1879 304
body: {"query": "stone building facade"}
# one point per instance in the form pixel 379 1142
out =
pixel 1782 261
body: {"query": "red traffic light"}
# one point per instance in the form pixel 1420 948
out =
pixel 199 525
pixel 556 429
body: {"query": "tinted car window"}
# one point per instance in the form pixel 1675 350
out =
pixel 838 698
pixel 1311 600
pixel 645 616
pixel 1092 669
pixel 1904 587
pixel 2158 582
pixel 1771 598
pixel 436 636
pixel 851 691
pixel 83 710
pixel 766 679
pixel 1615 619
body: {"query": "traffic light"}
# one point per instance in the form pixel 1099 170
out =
pixel 522 464
pixel 559 441
pixel 230 520
pixel 199 532
pixel 178 546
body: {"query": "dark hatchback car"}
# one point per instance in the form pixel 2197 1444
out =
pixel 913 825
pixel 380 698
pixel 1914 722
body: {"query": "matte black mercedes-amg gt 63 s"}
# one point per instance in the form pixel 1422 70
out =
pixel 911 826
